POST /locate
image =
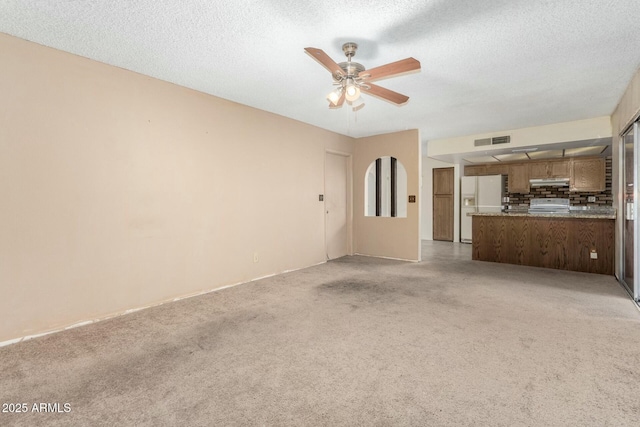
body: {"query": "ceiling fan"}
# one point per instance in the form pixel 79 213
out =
pixel 351 77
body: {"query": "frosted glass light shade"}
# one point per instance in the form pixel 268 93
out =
pixel 334 96
pixel 352 93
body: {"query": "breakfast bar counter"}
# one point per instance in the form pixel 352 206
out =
pixel 576 241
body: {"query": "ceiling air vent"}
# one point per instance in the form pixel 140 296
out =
pixel 483 141
pixel 500 140
pixel 492 141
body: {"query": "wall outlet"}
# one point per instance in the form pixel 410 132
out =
pixel 591 199
pixel 255 257
pixel 594 254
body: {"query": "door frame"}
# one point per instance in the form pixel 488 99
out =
pixel 632 288
pixel 349 161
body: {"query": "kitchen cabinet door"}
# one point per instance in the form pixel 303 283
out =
pixel 587 174
pixel 539 170
pixel 519 178
pixel 475 170
pixel 559 169
pixel 497 169
pixel 550 169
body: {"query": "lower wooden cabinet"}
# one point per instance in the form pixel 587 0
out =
pixel 561 243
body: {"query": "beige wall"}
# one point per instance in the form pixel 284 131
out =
pixel 579 130
pixel 628 108
pixel 388 237
pixel 121 191
pixel 627 111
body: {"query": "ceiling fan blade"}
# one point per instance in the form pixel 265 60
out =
pixel 390 70
pixel 324 60
pixel 338 104
pixel 386 94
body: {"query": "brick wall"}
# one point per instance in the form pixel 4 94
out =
pixel 604 198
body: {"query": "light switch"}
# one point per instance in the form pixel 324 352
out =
pixel 321 197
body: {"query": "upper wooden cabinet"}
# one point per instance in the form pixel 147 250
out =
pixel 587 174
pixel 475 170
pixel 519 178
pixel 488 169
pixel 538 170
pixel 559 168
pixel 550 169
pixel 497 169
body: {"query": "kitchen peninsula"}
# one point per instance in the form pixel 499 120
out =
pixel 576 241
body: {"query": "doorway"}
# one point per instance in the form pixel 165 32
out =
pixel 443 204
pixel 630 251
pixel 336 204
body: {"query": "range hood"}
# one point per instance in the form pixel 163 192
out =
pixel 549 182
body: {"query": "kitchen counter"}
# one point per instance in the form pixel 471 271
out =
pixel 582 214
pixel 578 241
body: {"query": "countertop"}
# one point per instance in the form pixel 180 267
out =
pixel 582 214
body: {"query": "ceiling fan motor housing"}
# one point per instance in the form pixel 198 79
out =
pixel 351 69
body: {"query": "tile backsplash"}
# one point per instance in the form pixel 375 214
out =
pixel 603 198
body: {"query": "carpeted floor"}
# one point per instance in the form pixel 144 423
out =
pixel 356 341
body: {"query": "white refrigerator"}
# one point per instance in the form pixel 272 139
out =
pixel 478 194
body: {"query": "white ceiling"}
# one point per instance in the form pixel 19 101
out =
pixel 487 65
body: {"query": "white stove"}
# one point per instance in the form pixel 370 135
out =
pixel 550 205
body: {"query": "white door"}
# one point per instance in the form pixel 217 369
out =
pixel 335 203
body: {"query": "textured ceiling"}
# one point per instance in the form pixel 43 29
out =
pixel 487 65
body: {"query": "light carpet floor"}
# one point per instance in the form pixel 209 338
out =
pixel 356 341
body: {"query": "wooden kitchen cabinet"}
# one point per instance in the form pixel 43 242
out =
pixel 497 169
pixel 539 170
pixel 564 243
pixel 550 169
pixel 519 178
pixel 587 174
pixel 559 168
pixel 475 170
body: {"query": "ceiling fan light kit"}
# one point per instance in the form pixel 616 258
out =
pixel 334 96
pixel 352 77
pixel 352 91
